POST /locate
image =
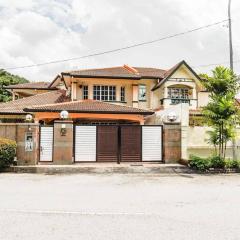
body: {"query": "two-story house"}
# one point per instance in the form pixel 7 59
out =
pixel 122 94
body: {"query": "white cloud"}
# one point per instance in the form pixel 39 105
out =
pixel 35 31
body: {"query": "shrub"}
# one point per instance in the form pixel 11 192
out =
pixel 229 163
pixel 7 152
pixel 217 162
pixel 198 163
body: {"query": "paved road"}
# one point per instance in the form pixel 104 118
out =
pixel 119 207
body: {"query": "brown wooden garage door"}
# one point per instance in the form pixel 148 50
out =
pixel 107 143
pixel 131 144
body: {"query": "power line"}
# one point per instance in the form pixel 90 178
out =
pixel 214 64
pixel 118 49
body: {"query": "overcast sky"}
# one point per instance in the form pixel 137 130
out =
pixel 36 31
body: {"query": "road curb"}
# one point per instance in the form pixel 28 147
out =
pixel 128 169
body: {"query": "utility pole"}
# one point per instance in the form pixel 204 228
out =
pixel 231 65
pixel 230 34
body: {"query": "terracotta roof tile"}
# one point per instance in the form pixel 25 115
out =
pixel 17 106
pixel 119 72
pixel 88 106
pixel 30 85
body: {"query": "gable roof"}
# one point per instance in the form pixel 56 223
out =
pixel 88 106
pixel 172 70
pixel 118 73
pixel 17 106
pixel 31 85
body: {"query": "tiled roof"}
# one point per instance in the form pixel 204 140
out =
pixel 31 85
pixel 88 106
pixel 17 106
pixel 119 72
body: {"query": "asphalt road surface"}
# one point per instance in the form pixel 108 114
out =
pixel 179 207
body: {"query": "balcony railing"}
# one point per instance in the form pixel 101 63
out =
pixel 179 100
pixel 174 101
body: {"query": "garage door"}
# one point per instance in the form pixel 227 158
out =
pixel 46 144
pixel 131 143
pixel 151 143
pixel 85 144
pixel 107 143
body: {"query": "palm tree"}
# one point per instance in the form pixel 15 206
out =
pixel 221 113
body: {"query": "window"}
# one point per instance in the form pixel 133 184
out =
pixel 104 93
pixel 122 94
pixel 85 92
pixel 142 92
pixel 178 93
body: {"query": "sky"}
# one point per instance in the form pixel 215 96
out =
pixel 38 31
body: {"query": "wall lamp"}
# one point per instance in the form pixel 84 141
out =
pixel 172 117
pixel 29 119
pixel 63 115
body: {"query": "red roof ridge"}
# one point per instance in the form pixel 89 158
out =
pixel 131 69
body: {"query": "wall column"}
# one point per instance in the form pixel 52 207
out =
pixel 24 156
pixel 171 142
pixel 63 142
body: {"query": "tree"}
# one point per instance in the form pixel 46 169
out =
pixel 6 79
pixel 221 113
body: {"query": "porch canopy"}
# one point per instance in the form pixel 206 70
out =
pixel 89 110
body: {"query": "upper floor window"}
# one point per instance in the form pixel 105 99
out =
pixel 142 92
pixel 122 94
pixel 104 93
pixel 85 92
pixel 178 93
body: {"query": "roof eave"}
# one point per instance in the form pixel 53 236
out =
pixel 103 76
pixel 94 112
pixel 174 70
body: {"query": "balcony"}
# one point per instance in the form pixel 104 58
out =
pixel 168 102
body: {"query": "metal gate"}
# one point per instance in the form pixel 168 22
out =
pixel 107 144
pixel 152 143
pixel 124 143
pixel 85 143
pixel 46 143
pixel 131 143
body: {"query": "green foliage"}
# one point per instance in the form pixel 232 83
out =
pixel 221 113
pixel 6 79
pixel 7 152
pixel 232 164
pixel 198 163
pixel 216 162
pixel 204 164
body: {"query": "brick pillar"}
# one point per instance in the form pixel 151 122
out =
pixel 24 156
pixel 172 143
pixel 63 142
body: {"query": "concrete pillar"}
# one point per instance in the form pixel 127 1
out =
pixel 63 142
pixel 24 156
pixel 171 143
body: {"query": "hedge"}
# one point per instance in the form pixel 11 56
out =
pixel 7 152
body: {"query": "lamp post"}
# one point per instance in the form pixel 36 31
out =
pixel 230 34
pixel 231 63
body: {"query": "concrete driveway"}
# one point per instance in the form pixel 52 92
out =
pixel 119 207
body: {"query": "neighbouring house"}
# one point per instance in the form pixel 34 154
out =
pixel 113 115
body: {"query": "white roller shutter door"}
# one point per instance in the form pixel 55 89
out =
pixel 46 144
pixel 85 144
pixel 151 143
